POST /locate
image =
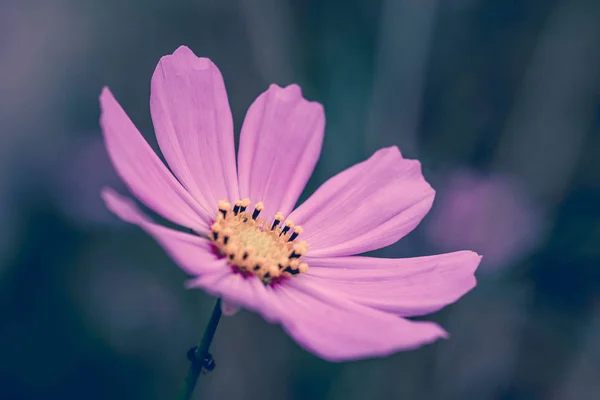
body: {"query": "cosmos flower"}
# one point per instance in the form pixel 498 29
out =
pixel 249 246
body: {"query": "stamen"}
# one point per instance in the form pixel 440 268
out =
pixel 297 231
pixel 274 271
pixel 224 207
pixel 293 267
pixel 288 225
pixel 258 264
pixel 254 246
pixel 299 250
pixel 283 262
pixel 215 228
pixel 226 234
pixel 257 209
pixel 244 204
pixel 278 218
pixel 236 208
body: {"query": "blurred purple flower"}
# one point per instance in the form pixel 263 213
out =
pixel 490 215
pixel 343 306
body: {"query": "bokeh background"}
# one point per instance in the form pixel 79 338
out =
pixel 500 100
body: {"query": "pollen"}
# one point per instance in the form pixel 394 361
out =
pixel 256 246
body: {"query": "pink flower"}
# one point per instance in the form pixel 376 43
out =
pixel 295 267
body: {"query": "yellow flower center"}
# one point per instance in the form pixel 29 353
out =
pixel 256 246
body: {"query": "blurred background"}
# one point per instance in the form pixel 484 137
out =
pixel 500 100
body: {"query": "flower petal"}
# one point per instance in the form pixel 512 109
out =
pixel 280 144
pixel 337 329
pixel 333 328
pixel 247 292
pixel 146 176
pixel 229 309
pixel 192 253
pixel 196 257
pixel 405 286
pixel 194 127
pixel 368 206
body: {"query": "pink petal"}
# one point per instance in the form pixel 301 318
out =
pixel 407 287
pixel 229 309
pixel 192 253
pixel 280 144
pixel 368 206
pixel 337 329
pixel 196 257
pixel 142 170
pixel 194 127
pixel 247 292
pixel 332 327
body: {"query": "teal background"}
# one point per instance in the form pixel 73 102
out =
pixel 91 308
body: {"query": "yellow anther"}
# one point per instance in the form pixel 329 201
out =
pixel 302 243
pixel 288 224
pixel 232 251
pixel 258 207
pixel 301 247
pixel 298 252
pixel 274 270
pixel 256 262
pixel 225 236
pixel 255 245
pixel 297 231
pixel 224 205
pixel 303 267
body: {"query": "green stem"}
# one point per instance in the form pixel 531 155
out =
pixel 199 354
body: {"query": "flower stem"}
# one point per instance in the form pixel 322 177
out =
pixel 200 358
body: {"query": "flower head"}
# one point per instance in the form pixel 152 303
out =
pixel 250 246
